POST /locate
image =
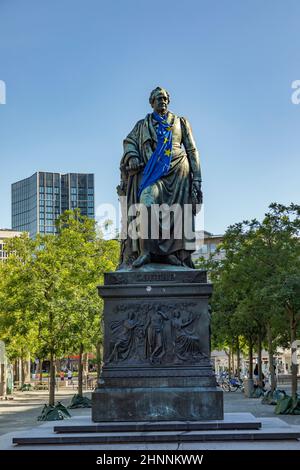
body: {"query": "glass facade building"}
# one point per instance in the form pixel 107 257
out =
pixel 38 201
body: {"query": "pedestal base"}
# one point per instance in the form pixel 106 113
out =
pixel 157 404
pixel 156 348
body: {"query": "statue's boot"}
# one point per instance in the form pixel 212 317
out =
pixel 144 258
pixel 172 259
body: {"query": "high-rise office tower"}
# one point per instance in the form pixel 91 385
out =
pixel 38 201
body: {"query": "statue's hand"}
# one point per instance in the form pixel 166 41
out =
pixel 133 163
pixel 197 197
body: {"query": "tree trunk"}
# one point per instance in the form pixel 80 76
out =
pixel 52 380
pixel 86 368
pixel 229 362
pixel 271 358
pixel 98 359
pixel 238 358
pixel 29 367
pixel 86 363
pixel 26 367
pixel 80 370
pixel 259 360
pixel 16 370
pixel 22 371
pixel 250 359
pixel 293 326
pixel 40 369
pixel 232 362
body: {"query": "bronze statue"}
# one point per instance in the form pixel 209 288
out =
pixel 160 166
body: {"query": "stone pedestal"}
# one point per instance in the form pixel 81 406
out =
pixel 156 347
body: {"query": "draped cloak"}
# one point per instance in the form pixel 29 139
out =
pixel 172 188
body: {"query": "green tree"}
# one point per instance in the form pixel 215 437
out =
pixel 50 288
pixel 256 284
pixel 17 323
pixel 90 257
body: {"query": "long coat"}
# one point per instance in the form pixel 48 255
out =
pixel 172 188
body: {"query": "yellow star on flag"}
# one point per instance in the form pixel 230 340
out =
pixel 166 140
pixel 169 128
pixel 168 152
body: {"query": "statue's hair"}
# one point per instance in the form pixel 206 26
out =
pixel 157 90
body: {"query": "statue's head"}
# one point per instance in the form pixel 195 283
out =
pixel 159 100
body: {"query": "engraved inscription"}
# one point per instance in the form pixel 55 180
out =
pixel 192 276
pixel 152 277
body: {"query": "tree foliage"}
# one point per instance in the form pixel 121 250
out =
pixel 49 301
pixel 257 284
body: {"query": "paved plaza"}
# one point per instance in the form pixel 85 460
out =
pixel 19 417
pixel 21 413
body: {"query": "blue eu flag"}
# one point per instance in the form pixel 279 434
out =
pixel 158 164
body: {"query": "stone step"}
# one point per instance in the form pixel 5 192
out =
pixel 162 437
pixel 158 426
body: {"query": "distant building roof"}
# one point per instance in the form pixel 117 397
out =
pixel 8 233
pixel 206 234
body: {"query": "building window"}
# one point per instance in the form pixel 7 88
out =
pixel 49 179
pixel 91 181
pixel 73 180
pixel 82 181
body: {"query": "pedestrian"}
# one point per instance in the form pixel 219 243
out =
pixel 70 377
pixel 62 375
pixel 255 375
pixel 263 383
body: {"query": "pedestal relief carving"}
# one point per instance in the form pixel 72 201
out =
pixel 155 334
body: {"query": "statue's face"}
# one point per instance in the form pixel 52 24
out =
pixel 160 103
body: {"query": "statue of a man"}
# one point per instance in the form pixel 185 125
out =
pixel 160 166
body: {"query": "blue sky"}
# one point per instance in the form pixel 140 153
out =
pixel 78 76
